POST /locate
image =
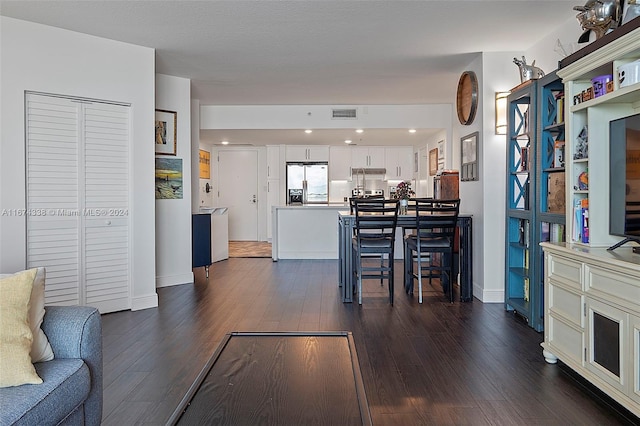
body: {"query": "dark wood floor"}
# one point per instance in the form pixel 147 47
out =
pixel 430 364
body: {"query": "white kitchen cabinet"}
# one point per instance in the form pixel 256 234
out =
pixel 399 163
pixel 340 163
pixel 592 316
pixel 273 162
pixel 307 153
pixel 367 157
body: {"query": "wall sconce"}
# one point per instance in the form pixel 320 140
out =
pixel 501 113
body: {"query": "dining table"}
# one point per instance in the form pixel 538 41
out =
pixel 462 259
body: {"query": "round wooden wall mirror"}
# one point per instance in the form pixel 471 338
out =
pixel 467 97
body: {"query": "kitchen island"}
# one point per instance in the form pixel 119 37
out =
pixel 323 231
pixel 307 231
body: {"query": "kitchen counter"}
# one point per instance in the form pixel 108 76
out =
pixel 307 231
pixel 340 204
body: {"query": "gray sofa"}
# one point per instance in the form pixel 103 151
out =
pixel 71 392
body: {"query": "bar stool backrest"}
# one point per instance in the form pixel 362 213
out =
pixel 352 201
pixel 375 218
pixel 436 219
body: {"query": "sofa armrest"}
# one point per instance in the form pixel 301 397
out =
pixel 76 332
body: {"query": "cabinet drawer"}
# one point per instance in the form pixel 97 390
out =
pixel 564 339
pixel 566 304
pixel 621 287
pixel 564 270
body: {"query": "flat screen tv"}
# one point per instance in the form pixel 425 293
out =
pixel 624 179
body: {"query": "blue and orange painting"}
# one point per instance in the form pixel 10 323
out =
pixel 168 178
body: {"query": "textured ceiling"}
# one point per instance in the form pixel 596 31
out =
pixel 311 52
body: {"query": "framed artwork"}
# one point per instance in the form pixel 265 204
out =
pixel 205 164
pixel 440 155
pixel 469 157
pixel 433 162
pixel 168 178
pixel 415 162
pixel 166 131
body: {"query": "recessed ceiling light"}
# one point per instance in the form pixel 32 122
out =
pixel 225 142
pixel 308 131
pixel 412 130
pixel 347 141
pixel 359 130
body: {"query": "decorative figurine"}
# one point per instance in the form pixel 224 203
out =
pixel 528 72
pixel 598 16
pixel 582 145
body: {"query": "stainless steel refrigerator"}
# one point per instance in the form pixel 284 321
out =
pixel 311 178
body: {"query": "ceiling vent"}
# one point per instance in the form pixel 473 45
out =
pixel 344 113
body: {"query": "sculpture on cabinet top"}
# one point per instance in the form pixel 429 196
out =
pixel 598 16
pixel 528 72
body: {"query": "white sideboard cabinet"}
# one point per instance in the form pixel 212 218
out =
pixel 592 316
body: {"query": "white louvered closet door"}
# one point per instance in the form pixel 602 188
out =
pixel 78 200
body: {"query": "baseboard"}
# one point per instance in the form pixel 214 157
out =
pixel 171 280
pixel 488 296
pixel 144 302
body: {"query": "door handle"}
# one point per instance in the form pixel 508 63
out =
pixel 254 200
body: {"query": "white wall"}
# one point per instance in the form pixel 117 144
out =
pixel 471 192
pixel 499 74
pixel 197 197
pixel 545 52
pixel 485 199
pixel 45 59
pixel 319 117
pixel 173 217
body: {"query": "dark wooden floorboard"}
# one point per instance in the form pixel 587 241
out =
pixel 431 364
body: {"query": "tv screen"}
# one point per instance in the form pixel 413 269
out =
pixel 624 177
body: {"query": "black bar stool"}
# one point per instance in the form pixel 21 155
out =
pixel 374 236
pixel 435 229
